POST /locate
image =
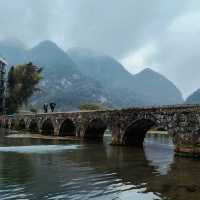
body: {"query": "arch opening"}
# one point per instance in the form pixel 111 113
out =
pixel 67 128
pixel 135 133
pixel 33 127
pixel 13 124
pixel 21 125
pixel 6 124
pixel 48 128
pixel 95 129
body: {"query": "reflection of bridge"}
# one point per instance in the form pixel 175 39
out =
pixel 128 126
pixel 116 166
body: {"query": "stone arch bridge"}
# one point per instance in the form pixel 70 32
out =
pixel 128 126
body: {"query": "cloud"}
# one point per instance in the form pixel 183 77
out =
pixel 178 51
pixel 174 52
pixel 139 59
pixel 114 27
pixel 159 34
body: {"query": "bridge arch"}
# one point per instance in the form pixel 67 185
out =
pixel 47 127
pixel 21 125
pixel 33 126
pixel 6 124
pixel 13 124
pixel 1 123
pixel 135 133
pixel 67 128
pixel 95 129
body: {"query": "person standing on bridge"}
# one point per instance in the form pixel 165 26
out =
pixel 52 106
pixel 45 108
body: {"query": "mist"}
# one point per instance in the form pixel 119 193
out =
pixel 162 35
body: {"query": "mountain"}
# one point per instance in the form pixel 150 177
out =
pixel 145 88
pixel 82 75
pixel 102 67
pixel 157 88
pixel 194 98
pixel 63 83
pixel 110 74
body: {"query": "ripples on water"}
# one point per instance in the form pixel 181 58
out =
pixel 36 169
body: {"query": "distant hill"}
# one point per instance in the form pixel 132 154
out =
pixel 157 88
pixel 145 88
pixel 110 74
pixel 63 83
pixel 194 98
pixel 81 75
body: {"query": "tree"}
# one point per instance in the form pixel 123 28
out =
pixel 91 106
pixel 11 102
pixel 11 79
pixel 22 83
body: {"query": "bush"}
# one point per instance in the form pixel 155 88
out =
pixel 91 106
pixel 34 110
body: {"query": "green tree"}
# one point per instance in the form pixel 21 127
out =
pixel 11 102
pixel 22 83
pixel 11 78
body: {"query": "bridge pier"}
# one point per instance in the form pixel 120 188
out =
pixel 56 132
pixel 117 134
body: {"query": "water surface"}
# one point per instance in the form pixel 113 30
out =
pixel 52 169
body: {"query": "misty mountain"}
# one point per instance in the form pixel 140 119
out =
pixel 63 83
pixel 83 75
pixel 194 98
pixel 110 74
pixel 157 88
pixel 145 88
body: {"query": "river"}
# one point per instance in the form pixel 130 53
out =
pixel 51 169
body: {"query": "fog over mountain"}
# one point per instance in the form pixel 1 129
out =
pixel 84 75
pixel 62 82
pixel 146 87
pixel 163 35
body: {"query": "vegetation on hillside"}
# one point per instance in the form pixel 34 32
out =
pixel 22 83
pixel 91 106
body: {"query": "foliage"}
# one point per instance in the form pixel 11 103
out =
pixel 91 106
pixel 34 110
pixel 22 83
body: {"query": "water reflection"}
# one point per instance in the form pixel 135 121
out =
pixel 95 171
pixel 159 150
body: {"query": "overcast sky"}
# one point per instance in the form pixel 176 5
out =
pixel 161 34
